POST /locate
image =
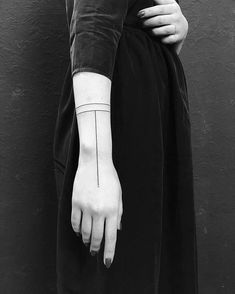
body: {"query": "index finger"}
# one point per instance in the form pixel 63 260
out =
pixel 110 239
pixel 156 10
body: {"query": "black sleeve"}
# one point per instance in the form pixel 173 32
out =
pixel 95 27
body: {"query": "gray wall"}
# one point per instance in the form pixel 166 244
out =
pixel 33 58
pixel 208 57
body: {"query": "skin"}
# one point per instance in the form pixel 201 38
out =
pixel 166 21
pixel 97 195
pixel 97 206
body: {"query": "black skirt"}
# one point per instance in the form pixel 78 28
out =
pixel 156 249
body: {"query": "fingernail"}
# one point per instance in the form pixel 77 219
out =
pixel 140 13
pixel 108 262
pixel 93 252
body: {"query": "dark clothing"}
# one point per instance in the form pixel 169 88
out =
pixel 156 250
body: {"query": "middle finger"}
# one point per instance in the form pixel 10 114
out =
pixel 159 20
pixel 97 234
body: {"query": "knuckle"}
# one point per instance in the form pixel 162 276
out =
pixel 95 248
pixel 73 218
pixel 75 227
pixel 160 20
pixel 75 202
pixel 175 17
pixel 109 251
pixel 73 222
pixel 85 234
pixel 167 31
pixel 111 209
pixel 96 241
pixel 112 238
pixel 160 9
pixel 175 6
pixel 96 210
pixel 149 10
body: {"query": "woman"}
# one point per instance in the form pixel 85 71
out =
pixel 122 152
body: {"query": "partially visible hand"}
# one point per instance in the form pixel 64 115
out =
pixel 97 203
pixel 166 21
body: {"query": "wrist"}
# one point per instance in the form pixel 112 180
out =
pixel 89 153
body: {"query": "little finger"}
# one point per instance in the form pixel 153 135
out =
pixel 171 39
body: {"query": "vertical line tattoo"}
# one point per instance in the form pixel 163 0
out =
pixel 99 106
pixel 96 140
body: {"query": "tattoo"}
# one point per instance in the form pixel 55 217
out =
pixel 96 145
pixel 94 107
pixel 93 103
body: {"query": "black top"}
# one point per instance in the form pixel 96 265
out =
pixel 151 151
pixel 95 27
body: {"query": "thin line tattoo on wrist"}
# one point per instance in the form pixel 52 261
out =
pixel 94 107
pixel 96 148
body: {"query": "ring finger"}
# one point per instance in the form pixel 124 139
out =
pixel 86 227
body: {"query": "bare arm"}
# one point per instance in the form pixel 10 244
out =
pixel 97 197
pixel 92 102
pixel 95 30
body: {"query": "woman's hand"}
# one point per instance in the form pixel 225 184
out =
pixel 97 201
pixel 166 21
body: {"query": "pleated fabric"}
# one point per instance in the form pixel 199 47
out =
pixel 156 250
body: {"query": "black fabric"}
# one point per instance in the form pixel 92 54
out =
pixel 156 250
pixel 95 30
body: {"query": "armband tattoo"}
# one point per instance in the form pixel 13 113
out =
pixel 88 107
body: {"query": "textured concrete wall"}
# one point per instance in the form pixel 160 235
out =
pixel 209 57
pixel 33 58
pixel 32 64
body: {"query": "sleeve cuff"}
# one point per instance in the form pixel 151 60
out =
pixel 91 69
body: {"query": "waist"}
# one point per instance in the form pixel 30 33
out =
pixel 142 32
pixel 135 27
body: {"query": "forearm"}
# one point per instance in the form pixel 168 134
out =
pixel 93 110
